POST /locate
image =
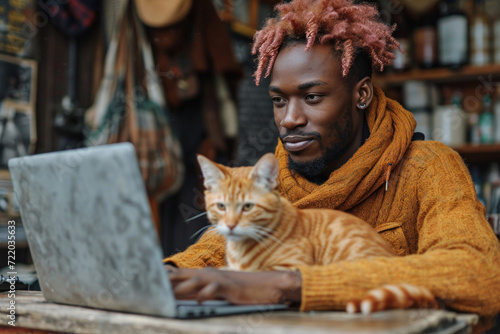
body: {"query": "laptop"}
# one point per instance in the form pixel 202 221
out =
pixel 91 235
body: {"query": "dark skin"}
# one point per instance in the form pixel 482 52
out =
pixel 309 95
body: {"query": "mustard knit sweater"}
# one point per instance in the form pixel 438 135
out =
pixel 429 214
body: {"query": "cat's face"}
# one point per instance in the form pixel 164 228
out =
pixel 241 202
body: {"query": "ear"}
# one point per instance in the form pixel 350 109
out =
pixel 211 173
pixel 363 92
pixel 265 172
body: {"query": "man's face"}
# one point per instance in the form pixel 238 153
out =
pixel 314 111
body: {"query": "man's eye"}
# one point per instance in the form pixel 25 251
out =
pixel 221 206
pixel 313 97
pixel 278 100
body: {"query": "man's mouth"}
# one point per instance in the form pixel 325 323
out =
pixel 294 143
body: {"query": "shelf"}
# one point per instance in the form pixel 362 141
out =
pixel 271 2
pixel 484 153
pixel 246 29
pixel 242 29
pixel 465 73
pixel 4 174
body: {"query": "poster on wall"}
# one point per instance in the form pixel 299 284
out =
pixel 17 107
pixel 17 30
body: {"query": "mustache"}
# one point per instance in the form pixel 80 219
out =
pixel 299 133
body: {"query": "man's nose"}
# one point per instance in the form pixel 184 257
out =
pixel 294 116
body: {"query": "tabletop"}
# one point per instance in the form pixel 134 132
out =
pixel 32 312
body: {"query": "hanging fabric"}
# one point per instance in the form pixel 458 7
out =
pixel 130 106
pixel 72 17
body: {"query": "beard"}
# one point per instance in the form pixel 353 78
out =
pixel 316 170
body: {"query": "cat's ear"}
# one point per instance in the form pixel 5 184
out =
pixel 211 173
pixel 265 172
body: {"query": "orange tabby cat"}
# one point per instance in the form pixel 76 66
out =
pixel 264 231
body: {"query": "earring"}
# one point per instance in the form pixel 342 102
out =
pixel 361 105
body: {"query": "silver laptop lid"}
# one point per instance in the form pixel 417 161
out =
pixel 90 231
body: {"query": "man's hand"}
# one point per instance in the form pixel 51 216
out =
pixel 269 287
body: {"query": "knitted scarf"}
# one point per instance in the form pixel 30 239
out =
pixel 391 129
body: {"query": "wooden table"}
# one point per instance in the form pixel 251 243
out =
pixel 35 315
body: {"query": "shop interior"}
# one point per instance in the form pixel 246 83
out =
pixel 56 89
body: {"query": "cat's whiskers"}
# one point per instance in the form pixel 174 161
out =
pixel 203 229
pixel 264 234
pixel 255 236
pixel 269 229
pixel 194 217
pixel 259 237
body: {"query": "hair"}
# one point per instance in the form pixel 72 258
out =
pixel 355 32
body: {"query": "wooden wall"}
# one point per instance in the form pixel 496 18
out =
pixel 52 55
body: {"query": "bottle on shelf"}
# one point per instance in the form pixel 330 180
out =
pixel 453 39
pixel 402 61
pixel 425 41
pixel 480 34
pixel 486 121
pixel 240 12
pixel 450 122
pixel 493 211
pixel 491 180
pixel 478 182
pixel 496 40
pixel 418 97
pixel 474 130
pixel 497 116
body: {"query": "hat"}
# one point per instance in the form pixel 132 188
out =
pixel 419 7
pixel 161 13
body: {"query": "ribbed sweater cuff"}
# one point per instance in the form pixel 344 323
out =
pixel 318 292
pixel 328 288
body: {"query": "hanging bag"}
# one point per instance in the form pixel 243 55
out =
pixel 130 106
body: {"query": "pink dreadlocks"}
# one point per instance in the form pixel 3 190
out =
pixel 339 22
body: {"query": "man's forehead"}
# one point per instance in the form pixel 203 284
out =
pixel 314 67
pixel 301 86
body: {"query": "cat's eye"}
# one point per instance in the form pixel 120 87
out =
pixel 247 206
pixel 221 206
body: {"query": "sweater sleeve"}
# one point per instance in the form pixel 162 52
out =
pixel 458 256
pixel 209 251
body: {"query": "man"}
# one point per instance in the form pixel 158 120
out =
pixel 345 146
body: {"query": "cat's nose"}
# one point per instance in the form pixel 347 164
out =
pixel 231 226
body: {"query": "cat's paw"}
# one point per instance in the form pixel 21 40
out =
pixel 393 296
